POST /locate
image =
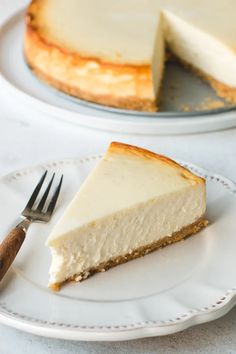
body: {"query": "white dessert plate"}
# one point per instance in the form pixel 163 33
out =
pixel 182 285
pixel 181 88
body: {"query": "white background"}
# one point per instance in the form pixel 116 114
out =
pixel 27 138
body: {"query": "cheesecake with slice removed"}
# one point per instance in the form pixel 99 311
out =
pixel 134 202
pixel 113 52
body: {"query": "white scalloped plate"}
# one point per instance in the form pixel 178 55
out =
pixel 18 81
pixel 167 291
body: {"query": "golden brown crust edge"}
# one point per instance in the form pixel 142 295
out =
pixel 130 103
pixel 139 252
pixel 45 59
pixel 122 148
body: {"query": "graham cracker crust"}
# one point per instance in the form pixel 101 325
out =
pixel 139 252
pixel 222 90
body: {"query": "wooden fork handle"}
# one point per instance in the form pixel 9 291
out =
pixel 9 248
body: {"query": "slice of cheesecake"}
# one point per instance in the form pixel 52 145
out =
pixel 134 202
pixel 113 52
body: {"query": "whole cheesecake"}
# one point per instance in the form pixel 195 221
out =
pixel 113 52
pixel 132 203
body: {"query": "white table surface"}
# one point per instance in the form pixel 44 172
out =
pixel 27 138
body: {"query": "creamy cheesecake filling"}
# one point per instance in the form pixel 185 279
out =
pixel 200 49
pixel 120 233
pixel 103 29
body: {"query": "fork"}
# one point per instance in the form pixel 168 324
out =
pixel 12 243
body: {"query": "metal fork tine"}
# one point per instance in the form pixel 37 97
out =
pixel 12 243
pixel 35 193
pixel 45 195
pixel 54 198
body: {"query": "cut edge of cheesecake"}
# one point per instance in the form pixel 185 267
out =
pixel 185 232
pixel 127 151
